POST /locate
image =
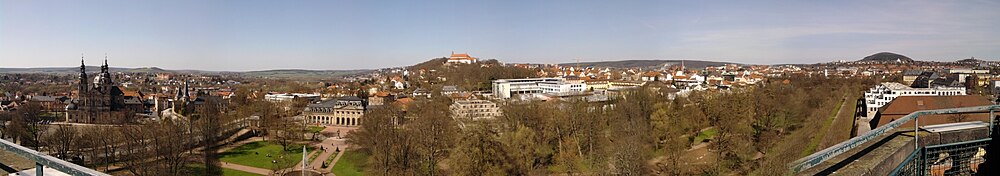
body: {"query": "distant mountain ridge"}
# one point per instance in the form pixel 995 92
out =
pixel 302 73
pixel 278 73
pixel 648 63
pixel 971 60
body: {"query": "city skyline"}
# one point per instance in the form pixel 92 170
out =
pixel 342 35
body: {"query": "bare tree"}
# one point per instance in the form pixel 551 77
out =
pixel 171 141
pixel 434 132
pixel 287 131
pixel 209 119
pixel 108 141
pixel 62 141
pixel 136 145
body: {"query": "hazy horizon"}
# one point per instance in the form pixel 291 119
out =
pixel 348 35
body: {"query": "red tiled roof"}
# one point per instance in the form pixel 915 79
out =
pixel 904 105
pixel 652 74
pixel 128 93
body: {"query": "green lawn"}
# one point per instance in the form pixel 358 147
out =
pixel 261 153
pixel 314 155
pixel 198 169
pixel 816 139
pixel 352 163
pixel 707 134
pixel 315 129
pixel 328 161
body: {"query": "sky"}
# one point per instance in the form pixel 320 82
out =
pixel 338 35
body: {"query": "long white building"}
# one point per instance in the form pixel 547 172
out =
pixel 507 88
pixel 562 86
pixel 286 97
pixel 882 94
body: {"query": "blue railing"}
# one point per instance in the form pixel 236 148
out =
pixel 828 153
pixel 46 160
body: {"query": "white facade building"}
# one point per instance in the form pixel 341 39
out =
pixel 884 93
pixel 506 88
pixel 286 97
pixel 344 111
pixel 562 86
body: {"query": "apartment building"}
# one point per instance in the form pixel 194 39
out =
pixel 884 93
pixel 507 88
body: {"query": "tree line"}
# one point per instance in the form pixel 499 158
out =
pixel 164 146
pixel 642 132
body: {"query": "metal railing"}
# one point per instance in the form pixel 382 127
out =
pixel 42 160
pixel 828 153
pixel 960 158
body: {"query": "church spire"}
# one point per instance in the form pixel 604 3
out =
pixel 83 76
pixel 82 66
pixel 104 68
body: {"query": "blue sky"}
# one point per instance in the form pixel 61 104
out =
pixel 259 34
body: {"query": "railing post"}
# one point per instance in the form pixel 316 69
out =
pixel 991 121
pixel 39 168
pixel 916 129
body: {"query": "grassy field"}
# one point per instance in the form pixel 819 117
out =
pixel 198 169
pixel 351 164
pixel 842 126
pixel 261 153
pixel 816 139
pixel 707 134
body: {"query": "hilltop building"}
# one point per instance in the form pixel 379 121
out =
pixel 461 58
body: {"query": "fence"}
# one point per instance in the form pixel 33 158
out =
pixel 961 158
pixel 828 153
pixel 46 160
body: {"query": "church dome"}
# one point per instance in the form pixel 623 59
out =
pixel 98 80
pixel 102 80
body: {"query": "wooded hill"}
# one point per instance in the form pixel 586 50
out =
pixel 476 76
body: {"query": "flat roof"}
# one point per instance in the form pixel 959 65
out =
pixel 473 102
pixel 527 80
pixel 954 126
pixel 900 86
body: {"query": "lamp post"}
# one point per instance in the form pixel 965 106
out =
pixel 304 126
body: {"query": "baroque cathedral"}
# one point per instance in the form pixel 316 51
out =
pixel 100 101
